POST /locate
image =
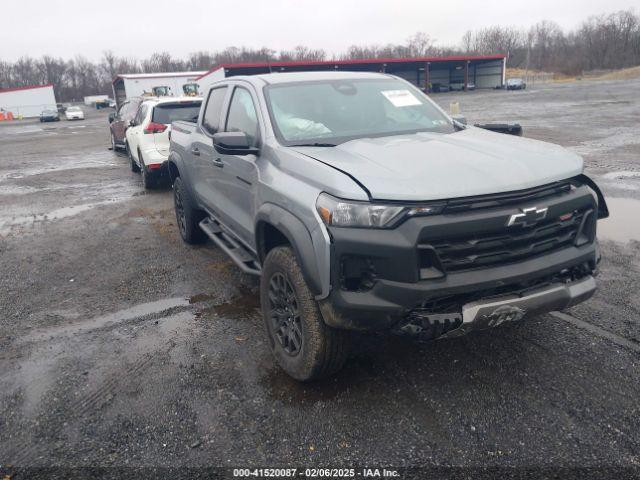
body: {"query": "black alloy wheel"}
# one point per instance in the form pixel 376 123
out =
pixel 181 218
pixel 284 314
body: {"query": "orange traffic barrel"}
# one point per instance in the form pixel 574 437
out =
pixel 2 116
pixel 9 115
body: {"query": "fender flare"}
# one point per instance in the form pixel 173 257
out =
pixel 175 160
pixel 603 210
pixel 299 237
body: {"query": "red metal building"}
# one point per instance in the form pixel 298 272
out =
pixel 483 71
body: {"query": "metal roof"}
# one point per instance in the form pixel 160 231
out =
pixel 358 61
pixel 28 87
pixel 328 75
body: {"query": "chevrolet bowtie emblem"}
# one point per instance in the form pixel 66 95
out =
pixel 528 217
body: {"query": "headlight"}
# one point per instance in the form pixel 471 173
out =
pixel 347 213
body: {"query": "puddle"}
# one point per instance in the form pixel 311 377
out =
pixel 92 195
pixel 69 162
pixel 622 224
pixel 20 130
pixel 121 316
pixel 246 303
pixel 8 224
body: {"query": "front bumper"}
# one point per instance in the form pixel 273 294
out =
pixel 403 287
pixel 485 314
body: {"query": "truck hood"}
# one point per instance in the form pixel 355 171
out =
pixel 432 166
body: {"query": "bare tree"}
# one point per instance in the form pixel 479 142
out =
pixel 302 53
pixel 600 42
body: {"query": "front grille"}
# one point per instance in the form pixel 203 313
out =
pixel 510 244
pixel 464 204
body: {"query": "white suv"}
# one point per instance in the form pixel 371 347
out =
pixel 147 137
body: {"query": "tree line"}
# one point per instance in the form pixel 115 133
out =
pixel 601 42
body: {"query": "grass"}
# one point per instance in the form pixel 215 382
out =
pixel 539 76
pixel 624 74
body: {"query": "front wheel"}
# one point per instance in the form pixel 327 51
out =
pixel 302 343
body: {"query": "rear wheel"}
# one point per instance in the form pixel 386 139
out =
pixel 148 180
pixel 134 166
pixel 188 217
pixel 302 343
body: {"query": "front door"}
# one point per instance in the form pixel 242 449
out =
pixel 238 173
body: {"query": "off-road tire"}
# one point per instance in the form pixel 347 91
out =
pixel 188 217
pixel 134 166
pixel 323 350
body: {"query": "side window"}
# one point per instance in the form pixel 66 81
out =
pixel 142 112
pixel 123 109
pixel 132 110
pixel 211 118
pixel 242 115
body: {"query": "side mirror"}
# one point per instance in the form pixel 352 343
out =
pixel 112 117
pixel 461 119
pixel 233 143
pixel 508 128
pixel 132 123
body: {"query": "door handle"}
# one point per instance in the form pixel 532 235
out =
pixel 218 162
pixel 195 151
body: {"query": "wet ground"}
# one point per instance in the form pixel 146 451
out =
pixel 120 346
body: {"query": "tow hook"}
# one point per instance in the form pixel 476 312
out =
pixel 428 326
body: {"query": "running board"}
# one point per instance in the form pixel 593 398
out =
pixel 230 246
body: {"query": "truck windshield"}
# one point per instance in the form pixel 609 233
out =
pixel 331 112
pixel 170 112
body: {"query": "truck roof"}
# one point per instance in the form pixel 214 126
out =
pixel 292 77
pixel 161 100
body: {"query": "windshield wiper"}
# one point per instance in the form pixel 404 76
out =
pixel 314 145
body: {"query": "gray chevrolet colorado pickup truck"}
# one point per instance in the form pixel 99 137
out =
pixel 363 206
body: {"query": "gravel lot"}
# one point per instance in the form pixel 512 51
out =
pixel 122 347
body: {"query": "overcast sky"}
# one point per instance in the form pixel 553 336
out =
pixel 140 27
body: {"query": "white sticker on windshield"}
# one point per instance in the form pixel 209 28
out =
pixel 401 98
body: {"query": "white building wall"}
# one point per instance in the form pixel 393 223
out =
pixel 205 82
pixel 28 103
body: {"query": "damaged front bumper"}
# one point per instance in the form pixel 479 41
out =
pixel 491 313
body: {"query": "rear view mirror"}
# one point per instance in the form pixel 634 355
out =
pixel 233 143
pixel 112 117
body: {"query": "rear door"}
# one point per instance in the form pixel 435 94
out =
pixel 166 113
pixel 134 132
pixel 201 154
pixel 239 175
pixel 118 125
